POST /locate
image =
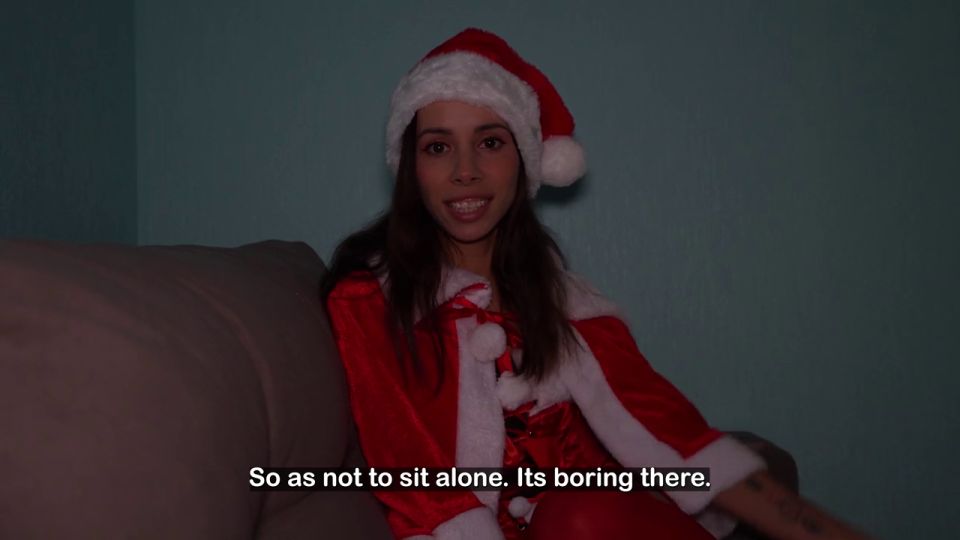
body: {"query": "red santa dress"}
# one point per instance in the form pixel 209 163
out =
pixel 604 406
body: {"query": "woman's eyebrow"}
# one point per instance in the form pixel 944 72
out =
pixel 441 131
pixel 485 127
pixel 478 129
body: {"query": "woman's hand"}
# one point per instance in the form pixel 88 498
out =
pixel 772 509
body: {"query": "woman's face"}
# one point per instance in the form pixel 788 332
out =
pixel 468 168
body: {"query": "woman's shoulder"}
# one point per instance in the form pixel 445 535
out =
pixel 584 301
pixel 356 285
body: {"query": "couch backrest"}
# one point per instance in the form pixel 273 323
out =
pixel 140 384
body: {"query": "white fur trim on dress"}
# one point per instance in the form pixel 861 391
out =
pixel 480 429
pixel 634 446
pixel 470 78
pixel 476 523
pixel 563 161
pixel 487 342
pixel 513 390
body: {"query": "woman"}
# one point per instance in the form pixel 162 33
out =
pixel 466 342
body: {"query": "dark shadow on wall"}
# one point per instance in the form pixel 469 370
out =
pixel 68 121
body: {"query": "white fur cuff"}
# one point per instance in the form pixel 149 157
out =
pixel 729 462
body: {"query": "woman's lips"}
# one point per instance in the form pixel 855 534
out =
pixel 469 209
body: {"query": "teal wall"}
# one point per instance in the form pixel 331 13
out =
pixel 772 195
pixel 67 121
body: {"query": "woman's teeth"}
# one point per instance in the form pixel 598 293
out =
pixel 468 205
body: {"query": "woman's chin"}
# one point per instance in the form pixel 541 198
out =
pixel 470 236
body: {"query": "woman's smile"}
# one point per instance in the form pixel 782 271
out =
pixel 468 209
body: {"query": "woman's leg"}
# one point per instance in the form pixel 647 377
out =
pixel 588 515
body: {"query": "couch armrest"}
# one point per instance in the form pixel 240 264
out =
pixel 780 465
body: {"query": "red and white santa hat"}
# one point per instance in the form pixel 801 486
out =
pixel 480 68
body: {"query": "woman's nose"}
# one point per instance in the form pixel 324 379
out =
pixel 466 171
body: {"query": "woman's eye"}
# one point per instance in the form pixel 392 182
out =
pixel 435 148
pixel 492 143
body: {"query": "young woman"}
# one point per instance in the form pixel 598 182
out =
pixel 467 343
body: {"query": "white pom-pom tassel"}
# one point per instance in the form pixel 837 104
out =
pixel 563 161
pixel 487 342
pixel 513 391
pixel 549 391
pixel 519 507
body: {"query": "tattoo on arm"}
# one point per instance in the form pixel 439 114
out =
pixel 794 510
pixel 791 508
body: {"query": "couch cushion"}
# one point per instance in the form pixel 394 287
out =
pixel 140 385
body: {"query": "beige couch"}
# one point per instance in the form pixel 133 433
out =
pixel 140 385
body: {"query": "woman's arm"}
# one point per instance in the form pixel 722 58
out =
pixel 644 420
pixel 774 510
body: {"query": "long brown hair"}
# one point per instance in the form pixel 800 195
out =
pixel 409 246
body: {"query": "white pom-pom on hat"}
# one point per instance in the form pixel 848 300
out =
pixel 563 161
pixel 487 342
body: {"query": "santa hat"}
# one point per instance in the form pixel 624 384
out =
pixel 480 68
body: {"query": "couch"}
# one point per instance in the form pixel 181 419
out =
pixel 141 384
